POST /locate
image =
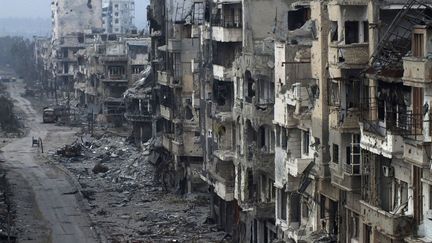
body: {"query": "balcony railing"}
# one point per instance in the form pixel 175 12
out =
pixel 137 116
pixel 227 21
pixel 397 120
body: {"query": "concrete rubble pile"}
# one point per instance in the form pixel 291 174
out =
pixel 126 201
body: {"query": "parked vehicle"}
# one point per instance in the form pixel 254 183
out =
pixel 49 115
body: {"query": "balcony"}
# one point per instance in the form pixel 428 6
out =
pixel 296 166
pixel 226 34
pixel 346 177
pixel 120 79
pixel 388 145
pixel 417 72
pixel 417 154
pixel 224 155
pixel 137 116
pixel 223 187
pixel 167 79
pixel 297 96
pixel 284 115
pixel 222 73
pixel 164 78
pixel 114 58
pixel 345 121
pixel 166 112
pixel 350 3
pixel 172 145
pixel 174 45
pixel 349 56
pixel 395 226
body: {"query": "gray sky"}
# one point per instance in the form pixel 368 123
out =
pixel 42 9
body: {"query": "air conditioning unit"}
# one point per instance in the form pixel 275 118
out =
pixel 388 171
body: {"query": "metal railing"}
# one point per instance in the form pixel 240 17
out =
pixel 227 21
pixel 397 120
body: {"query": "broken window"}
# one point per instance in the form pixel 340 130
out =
pixel 278 135
pixel 284 139
pixel 365 31
pixel 266 139
pixel 81 38
pixel 306 142
pixel 250 89
pixel 188 113
pixel 282 204
pixel 265 91
pixel 351 32
pixel 251 186
pixel 334 31
pixel 430 197
pixel 335 158
pixel 295 207
pixel 305 209
pixel 298 17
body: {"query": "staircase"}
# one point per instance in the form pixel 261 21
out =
pixel 396 41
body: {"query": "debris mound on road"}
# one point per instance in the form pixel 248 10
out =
pixel 127 203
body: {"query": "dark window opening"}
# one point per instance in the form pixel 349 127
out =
pixel 351 32
pixel 284 139
pixel 306 142
pixel 297 18
pixel 335 154
pixel 365 31
pixel 188 113
pixel 283 207
pixel 334 31
pixel 295 208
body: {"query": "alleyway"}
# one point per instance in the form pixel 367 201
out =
pixel 47 209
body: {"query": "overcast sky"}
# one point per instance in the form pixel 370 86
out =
pixel 42 9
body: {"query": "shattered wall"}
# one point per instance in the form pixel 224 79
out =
pixel 76 16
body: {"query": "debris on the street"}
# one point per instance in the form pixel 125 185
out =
pixel 128 203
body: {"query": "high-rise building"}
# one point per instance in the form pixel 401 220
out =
pixel 118 16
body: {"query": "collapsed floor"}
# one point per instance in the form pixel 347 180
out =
pixel 126 203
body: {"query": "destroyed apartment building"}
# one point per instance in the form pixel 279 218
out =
pixel 303 121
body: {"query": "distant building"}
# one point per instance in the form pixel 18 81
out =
pixel 118 16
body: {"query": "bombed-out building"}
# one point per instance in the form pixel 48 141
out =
pixel 74 22
pixel 175 58
pixel 304 121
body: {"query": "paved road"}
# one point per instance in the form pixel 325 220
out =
pixel 58 207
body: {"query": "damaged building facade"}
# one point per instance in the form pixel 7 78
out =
pixel 305 121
